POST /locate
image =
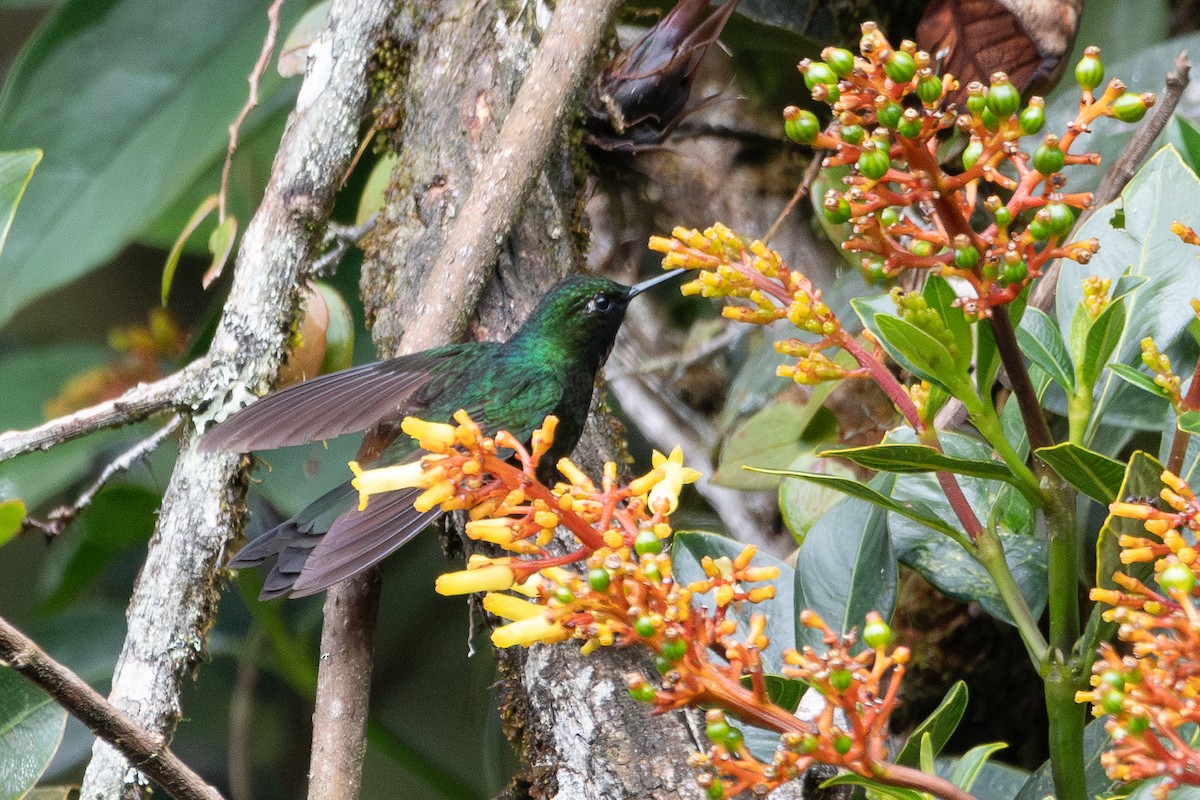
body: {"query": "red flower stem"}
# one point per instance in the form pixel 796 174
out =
pixel 514 478
pixel 1179 444
pixel 898 775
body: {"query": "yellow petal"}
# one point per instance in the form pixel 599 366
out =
pixel 386 479
pixel 509 607
pixel 529 631
pixel 490 578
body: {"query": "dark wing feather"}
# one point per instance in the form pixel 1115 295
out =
pixel 358 539
pixel 330 405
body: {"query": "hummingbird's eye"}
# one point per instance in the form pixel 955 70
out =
pixel 600 304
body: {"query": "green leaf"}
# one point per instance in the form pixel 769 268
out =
pixel 773 438
pixel 846 568
pixel 802 503
pixel 206 207
pixel 31 726
pixel 1139 379
pixel 1096 475
pixel 1102 339
pixel 12 518
pixel 687 550
pixel 1095 742
pixel 941 297
pixel 853 488
pixel 1189 422
pixel 15 171
pixel 939 726
pixel 889 457
pixel 1042 342
pixel 1135 235
pixel 874 788
pixel 943 561
pixel 930 358
pixel 968 766
pixel 783 692
pixel 128 114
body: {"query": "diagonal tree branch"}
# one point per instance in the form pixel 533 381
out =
pixel 176 594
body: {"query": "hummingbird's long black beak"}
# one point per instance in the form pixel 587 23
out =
pixel 638 288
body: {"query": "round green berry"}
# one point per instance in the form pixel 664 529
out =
pixel 1003 99
pixel 1137 725
pixel 889 217
pixel 921 247
pixel 564 595
pixel 910 124
pixel 842 744
pixel 674 649
pixel 889 115
pixel 900 67
pixel 1003 216
pixel 598 579
pixel 874 270
pixel 818 72
pixel 976 103
pixel 1129 107
pixel 929 89
pixel 663 665
pixel 647 542
pixel 1062 218
pixel 827 93
pixel 853 134
pixel 840 679
pixel 652 572
pixel 1089 72
pixel 1040 227
pixel 966 257
pixel 1032 118
pixel 839 59
pixel 643 693
pixel 1177 578
pixel 717 731
pixel 734 740
pixel 971 153
pixel 874 163
pixel 1112 701
pixel 1048 158
pixel 1013 272
pixel 990 121
pixel 802 127
pixel 1112 678
pixel 838 211
pixel 644 627
pixel 877 634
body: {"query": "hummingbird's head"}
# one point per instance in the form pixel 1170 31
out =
pixel 580 316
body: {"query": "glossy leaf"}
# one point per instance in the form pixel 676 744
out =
pixel 783 692
pixel 846 568
pixel 803 503
pixel 1042 342
pixel 939 726
pixel 1102 339
pixel 892 457
pixel 149 109
pixel 1141 380
pixel 941 297
pixel 773 438
pixel 876 789
pixel 220 245
pixel 1189 422
pixel 970 764
pixel 687 550
pixel 930 358
pixel 16 169
pixel 31 726
pixel 1096 475
pixel 12 515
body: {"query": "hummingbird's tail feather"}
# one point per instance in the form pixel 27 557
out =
pixel 358 539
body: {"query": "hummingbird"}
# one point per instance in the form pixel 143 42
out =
pixel 549 366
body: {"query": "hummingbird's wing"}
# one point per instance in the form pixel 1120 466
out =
pixel 330 405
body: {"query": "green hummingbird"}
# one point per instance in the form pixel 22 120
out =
pixel 549 366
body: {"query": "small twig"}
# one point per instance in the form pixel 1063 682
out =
pixel 1123 169
pixel 61 517
pixel 144 749
pixel 810 175
pixel 175 391
pixel 340 239
pixel 1027 399
pixel 260 66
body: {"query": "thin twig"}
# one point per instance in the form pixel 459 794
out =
pixel 143 748
pixel 260 66
pixel 340 239
pixel 176 391
pixel 58 519
pixel 806 182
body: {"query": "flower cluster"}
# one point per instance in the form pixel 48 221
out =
pixel 1150 694
pixel 708 642
pixel 773 291
pixel 908 211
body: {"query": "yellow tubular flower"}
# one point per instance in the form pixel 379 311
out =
pixel 488 578
pixel 386 479
pixel 675 475
pixel 509 607
pixel 496 531
pixel 529 631
pixel 433 436
pixel 435 495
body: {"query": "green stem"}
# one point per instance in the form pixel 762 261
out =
pixel 1063 569
pixel 987 422
pixel 1066 733
pixel 990 553
pixel 1079 411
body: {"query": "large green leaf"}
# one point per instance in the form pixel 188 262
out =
pixel 31 726
pixel 687 550
pixel 942 561
pixel 15 171
pixel 846 568
pixel 891 457
pixel 939 726
pixel 803 503
pixel 1096 475
pixel 941 297
pixel 774 438
pixel 973 765
pixel 1135 237
pixel 1042 342
pixel 129 99
pixel 931 359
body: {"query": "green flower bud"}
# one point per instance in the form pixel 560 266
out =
pixel 900 67
pixel 1177 578
pixel 889 115
pixel 717 730
pixel 647 541
pixel 1112 678
pixel 643 626
pixel 1062 218
pixel 990 121
pixel 674 649
pixel 1089 72
pixel 921 247
pixel 1137 725
pixel 643 693
pixel 1112 701
pixel 652 572
pixel 598 579
pixel 853 134
pixel 910 124
pixel 1129 107
pixel 802 127
pixel 1003 216
pixel 966 257
pixel 734 740
pixel 1041 228
pixel 1048 158
pixel 972 153
pixel 929 89
pixel 841 679
pixel 564 595
pixel 874 163
pixel 837 209
pixel 663 665
pixel 889 217
pixel 1033 117
pixel 976 99
pixel 715 790
pixel 874 270
pixel 877 634
pixel 817 72
pixel 842 744
pixel 1013 272
pixel 840 60
pixel 1002 98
